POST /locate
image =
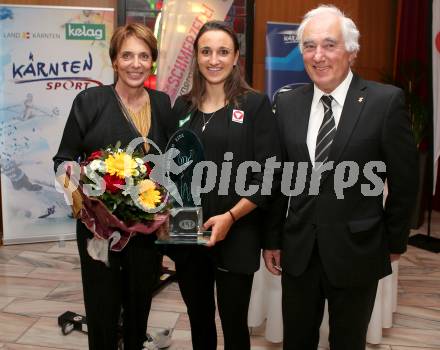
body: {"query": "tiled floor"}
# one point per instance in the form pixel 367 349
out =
pixel 40 281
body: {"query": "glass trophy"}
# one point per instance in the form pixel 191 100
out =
pixel 186 219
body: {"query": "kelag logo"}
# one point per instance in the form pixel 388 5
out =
pixel 84 31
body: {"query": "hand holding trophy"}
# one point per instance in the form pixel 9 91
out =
pixel 186 219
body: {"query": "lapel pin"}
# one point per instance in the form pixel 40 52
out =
pixel 360 99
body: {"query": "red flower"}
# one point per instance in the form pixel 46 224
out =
pixel 111 181
pixel 148 166
pixel 95 155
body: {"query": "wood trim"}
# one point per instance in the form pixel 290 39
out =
pixel 376 20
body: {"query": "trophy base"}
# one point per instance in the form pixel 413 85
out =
pixel 198 238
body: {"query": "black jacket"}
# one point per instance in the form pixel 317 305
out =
pixel 96 121
pixel 256 139
pixel 354 234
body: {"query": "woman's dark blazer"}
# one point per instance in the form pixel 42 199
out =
pixel 96 121
pixel 254 139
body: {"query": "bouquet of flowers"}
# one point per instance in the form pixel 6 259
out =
pixel 119 199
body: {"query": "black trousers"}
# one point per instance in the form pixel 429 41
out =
pixel 196 276
pixel 303 303
pixel 127 283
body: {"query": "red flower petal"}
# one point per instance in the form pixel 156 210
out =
pixel 111 181
pixel 148 166
pixel 95 155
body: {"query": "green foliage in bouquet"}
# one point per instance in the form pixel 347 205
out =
pixel 129 193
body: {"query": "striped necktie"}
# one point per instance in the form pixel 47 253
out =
pixel 326 132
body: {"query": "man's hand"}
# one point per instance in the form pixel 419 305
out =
pixel 394 257
pixel 220 225
pixel 272 261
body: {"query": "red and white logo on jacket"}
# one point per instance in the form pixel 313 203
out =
pixel 237 116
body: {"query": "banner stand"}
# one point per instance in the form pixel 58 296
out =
pixel 48 54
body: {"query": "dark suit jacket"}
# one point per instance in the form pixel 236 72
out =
pixel 255 139
pixel 356 234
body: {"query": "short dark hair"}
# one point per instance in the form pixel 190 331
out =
pixel 133 29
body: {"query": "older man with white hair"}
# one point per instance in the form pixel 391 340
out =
pixel 338 240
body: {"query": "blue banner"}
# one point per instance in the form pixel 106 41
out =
pixel 284 63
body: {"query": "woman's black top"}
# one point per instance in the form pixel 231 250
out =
pixel 256 139
pixel 214 146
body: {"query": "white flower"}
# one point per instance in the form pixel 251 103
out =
pixel 90 173
pixel 142 169
pixel 139 161
pixel 97 164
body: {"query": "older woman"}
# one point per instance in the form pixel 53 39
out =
pixel 230 119
pixel 99 117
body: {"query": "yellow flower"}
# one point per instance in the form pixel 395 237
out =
pixel 121 165
pixel 149 196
